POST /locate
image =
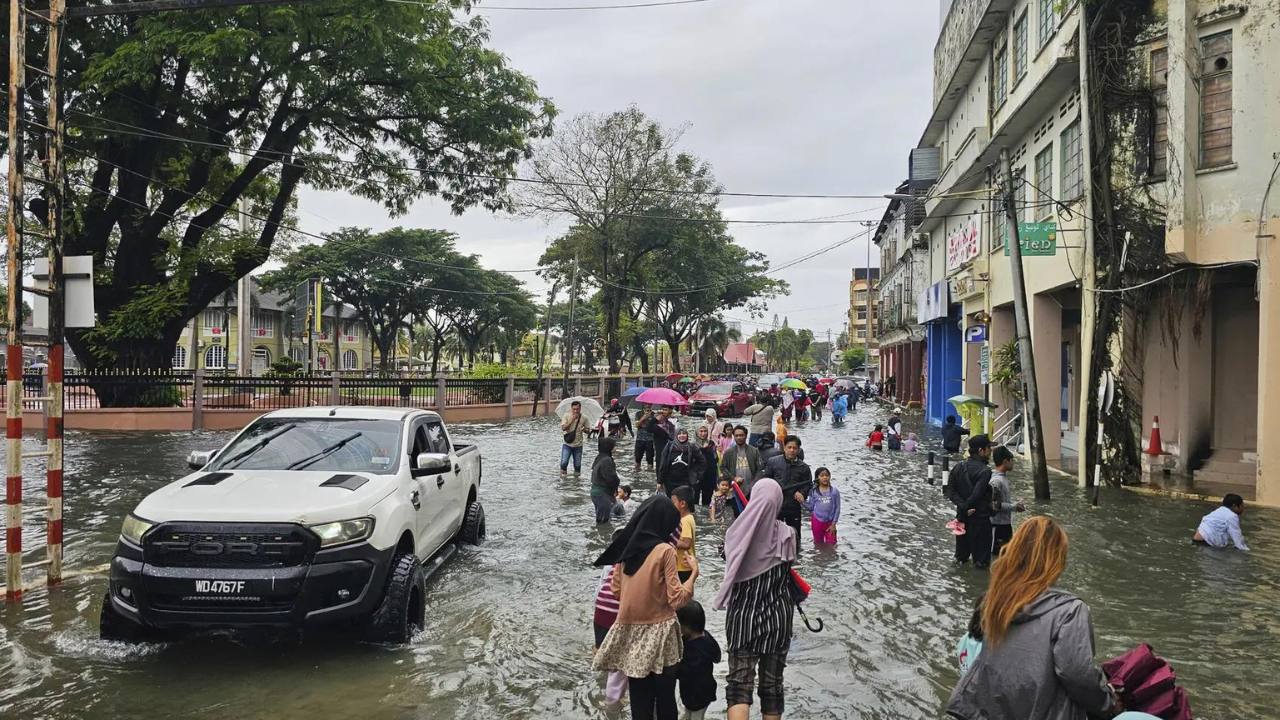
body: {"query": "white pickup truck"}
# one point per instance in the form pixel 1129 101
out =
pixel 312 516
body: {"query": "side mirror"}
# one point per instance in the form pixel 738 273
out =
pixel 198 459
pixel 432 464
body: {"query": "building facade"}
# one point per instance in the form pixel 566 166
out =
pixel 211 339
pixel 1199 340
pixel 862 318
pixel 904 260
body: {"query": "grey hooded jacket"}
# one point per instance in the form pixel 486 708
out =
pixel 1044 669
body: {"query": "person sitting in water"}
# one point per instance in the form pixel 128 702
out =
pixel 1223 524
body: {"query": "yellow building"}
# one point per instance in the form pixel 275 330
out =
pixel 863 313
pixel 211 339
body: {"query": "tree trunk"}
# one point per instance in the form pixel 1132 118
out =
pixel 437 344
pixel 674 347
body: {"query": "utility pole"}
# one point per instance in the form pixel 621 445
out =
pixel 244 342
pixel 1022 322
pixel 546 340
pixel 13 353
pixel 568 334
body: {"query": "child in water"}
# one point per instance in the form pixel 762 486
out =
pixel 970 646
pixel 696 670
pixel 719 499
pixel 910 444
pixel 876 440
pixel 824 509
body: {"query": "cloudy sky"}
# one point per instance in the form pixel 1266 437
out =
pixel 820 97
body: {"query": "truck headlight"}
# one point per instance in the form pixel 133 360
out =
pixel 134 528
pixel 343 531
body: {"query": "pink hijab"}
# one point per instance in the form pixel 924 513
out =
pixel 756 541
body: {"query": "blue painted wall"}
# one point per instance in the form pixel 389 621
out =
pixel 946 361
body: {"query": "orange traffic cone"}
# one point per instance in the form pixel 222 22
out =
pixel 1155 447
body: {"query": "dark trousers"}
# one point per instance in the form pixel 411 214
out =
pixel 977 529
pixel 707 485
pixel 644 449
pixel 794 522
pixel 603 504
pixel 1000 536
pixel 654 696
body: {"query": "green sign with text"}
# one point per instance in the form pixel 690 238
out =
pixel 1035 238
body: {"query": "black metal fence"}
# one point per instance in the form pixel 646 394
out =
pixel 218 390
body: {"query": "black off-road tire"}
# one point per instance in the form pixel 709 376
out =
pixel 473 529
pixel 403 608
pixel 115 627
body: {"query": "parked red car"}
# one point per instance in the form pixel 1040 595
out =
pixel 728 399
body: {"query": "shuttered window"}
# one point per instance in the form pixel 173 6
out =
pixel 1001 79
pixel 1044 184
pixel 1072 163
pixel 1020 48
pixel 1160 112
pixel 1215 100
pixel 1048 21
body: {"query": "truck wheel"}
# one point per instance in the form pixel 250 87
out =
pixel 473 530
pixel 115 627
pixel 403 608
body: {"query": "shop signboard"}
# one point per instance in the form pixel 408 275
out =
pixel 1035 239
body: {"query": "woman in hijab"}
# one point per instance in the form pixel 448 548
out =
pixel 712 423
pixel 604 480
pixel 682 463
pixel 706 486
pixel 759 550
pixel 645 641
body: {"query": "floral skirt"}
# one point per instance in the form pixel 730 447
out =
pixel 639 650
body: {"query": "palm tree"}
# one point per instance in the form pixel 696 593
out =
pixel 714 337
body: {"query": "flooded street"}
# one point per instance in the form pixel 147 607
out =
pixel 509 623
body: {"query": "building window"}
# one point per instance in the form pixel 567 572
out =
pixel 298 354
pixel 999 222
pixel 179 358
pixel 1048 21
pixel 264 324
pixel 860 297
pixel 1001 70
pixel 322 361
pixel 1044 184
pixel 350 329
pixel 1072 163
pixel 862 333
pixel 212 322
pixel 215 358
pixel 1020 48
pixel 350 361
pixel 1215 100
pixel 1159 112
pixel 862 312
pixel 262 356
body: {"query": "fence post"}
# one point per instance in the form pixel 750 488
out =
pixel 335 394
pixel 441 400
pixel 197 400
pixel 622 385
pixel 547 394
pixel 577 385
pixel 604 387
pixel 44 406
pixel 511 396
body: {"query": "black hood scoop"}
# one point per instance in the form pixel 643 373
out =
pixel 209 479
pixel 346 482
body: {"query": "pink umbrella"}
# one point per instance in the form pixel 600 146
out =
pixel 661 396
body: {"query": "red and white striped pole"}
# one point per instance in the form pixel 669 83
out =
pixel 13 474
pixel 54 473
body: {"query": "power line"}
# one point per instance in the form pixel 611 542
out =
pixel 564 8
pixel 144 132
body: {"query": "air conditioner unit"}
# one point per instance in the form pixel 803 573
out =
pixel 920 241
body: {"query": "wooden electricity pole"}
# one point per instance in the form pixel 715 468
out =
pixel 1022 322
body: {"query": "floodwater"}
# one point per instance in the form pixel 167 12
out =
pixel 509 623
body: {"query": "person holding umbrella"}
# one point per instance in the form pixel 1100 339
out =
pixel 759 550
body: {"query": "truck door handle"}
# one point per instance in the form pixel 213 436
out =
pixel 416 500
pixel 440 481
pixel 457 469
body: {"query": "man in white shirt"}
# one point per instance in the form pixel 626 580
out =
pixel 1223 525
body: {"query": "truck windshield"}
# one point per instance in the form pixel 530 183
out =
pixel 323 444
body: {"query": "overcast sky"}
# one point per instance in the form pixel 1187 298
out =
pixel 780 96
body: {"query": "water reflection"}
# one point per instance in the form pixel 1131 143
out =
pixel 508 632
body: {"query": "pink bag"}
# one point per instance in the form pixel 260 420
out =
pixel 1131 668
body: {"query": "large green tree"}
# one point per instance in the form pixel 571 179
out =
pixel 387 101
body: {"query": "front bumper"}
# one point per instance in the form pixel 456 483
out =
pixel 700 407
pixel 338 584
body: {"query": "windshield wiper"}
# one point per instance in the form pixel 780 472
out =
pixel 299 464
pixel 226 464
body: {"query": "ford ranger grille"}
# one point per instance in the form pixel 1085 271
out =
pixel 217 545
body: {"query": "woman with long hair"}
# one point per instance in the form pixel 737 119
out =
pixel 644 641
pixel 1037 658
pixel 759 549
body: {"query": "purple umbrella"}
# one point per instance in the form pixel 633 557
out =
pixel 661 396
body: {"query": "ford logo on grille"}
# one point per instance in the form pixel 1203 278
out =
pixel 210 547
